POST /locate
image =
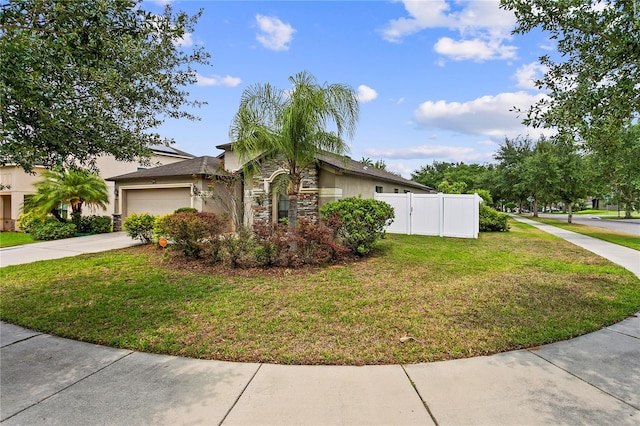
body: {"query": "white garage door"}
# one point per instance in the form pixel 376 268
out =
pixel 157 201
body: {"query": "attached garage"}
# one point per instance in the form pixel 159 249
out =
pixel 164 189
pixel 155 201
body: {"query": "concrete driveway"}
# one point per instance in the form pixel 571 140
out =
pixel 64 248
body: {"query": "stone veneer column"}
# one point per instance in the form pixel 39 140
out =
pixel 117 222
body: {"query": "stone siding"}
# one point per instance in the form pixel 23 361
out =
pixel 261 193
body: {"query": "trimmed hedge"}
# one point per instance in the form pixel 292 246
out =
pixel 362 221
pixel 52 229
pixel 94 224
pixel 140 227
pixel 492 220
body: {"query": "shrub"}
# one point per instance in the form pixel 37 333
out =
pixel 492 220
pixel 317 243
pixel 94 224
pixel 485 195
pixel 160 227
pixel 27 221
pixel 190 232
pixel 140 227
pixel 53 229
pixel 272 244
pixel 100 224
pixel 239 247
pixel 362 221
pixel 186 210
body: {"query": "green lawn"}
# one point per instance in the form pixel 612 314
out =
pixel 620 238
pixel 9 239
pixel 455 297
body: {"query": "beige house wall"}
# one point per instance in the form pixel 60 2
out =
pixel 336 186
pixel 16 184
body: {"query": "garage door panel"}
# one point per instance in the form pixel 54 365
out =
pixel 157 201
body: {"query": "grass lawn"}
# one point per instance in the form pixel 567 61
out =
pixel 9 239
pixel 454 297
pixel 620 238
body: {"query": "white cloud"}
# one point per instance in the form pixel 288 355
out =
pixel 275 34
pixel 422 151
pixel 366 93
pixel 487 143
pixel 528 73
pixel 217 80
pixel 482 27
pixel 476 49
pixel 436 152
pixel 185 41
pixel 488 116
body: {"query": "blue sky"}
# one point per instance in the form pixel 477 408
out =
pixel 435 78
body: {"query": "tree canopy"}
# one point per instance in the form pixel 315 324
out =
pixel 292 124
pixel 593 86
pixel 85 78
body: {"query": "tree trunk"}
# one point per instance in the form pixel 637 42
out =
pixel 569 211
pixel 293 221
pixel 292 215
pixel 535 208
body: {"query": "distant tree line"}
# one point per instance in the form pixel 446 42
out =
pixel 548 171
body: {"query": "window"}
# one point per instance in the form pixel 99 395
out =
pixel 283 206
pixel 379 189
pixel 395 190
pixel 406 191
pixel 141 168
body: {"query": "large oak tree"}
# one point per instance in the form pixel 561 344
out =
pixel 84 78
pixel 592 85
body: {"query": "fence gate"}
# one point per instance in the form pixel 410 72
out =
pixel 444 215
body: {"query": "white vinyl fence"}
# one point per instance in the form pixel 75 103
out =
pixel 444 215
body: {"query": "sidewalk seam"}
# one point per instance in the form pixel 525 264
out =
pixel 240 395
pixel 433 418
pixel 21 340
pixel 67 387
pixel 585 381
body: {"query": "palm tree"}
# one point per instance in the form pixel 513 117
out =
pixel 293 124
pixel 75 187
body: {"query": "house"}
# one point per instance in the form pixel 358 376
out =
pixel 332 179
pixel 200 183
pixel 16 185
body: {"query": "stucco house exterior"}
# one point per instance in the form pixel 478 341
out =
pixel 196 183
pixel 15 184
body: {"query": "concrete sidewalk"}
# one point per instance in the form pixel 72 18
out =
pixel 593 379
pixel 57 249
pixel 623 256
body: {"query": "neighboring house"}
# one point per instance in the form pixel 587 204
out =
pixel 15 184
pixel 200 183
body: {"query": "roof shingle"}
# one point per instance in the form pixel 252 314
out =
pixel 195 166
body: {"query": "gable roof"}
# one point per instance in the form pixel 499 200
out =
pixel 351 167
pixel 357 168
pixel 195 166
